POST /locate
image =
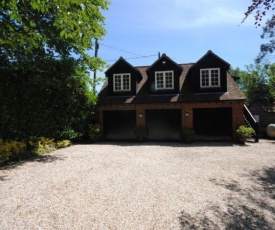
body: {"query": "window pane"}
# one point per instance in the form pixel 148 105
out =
pixel 204 78
pixel 159 82
pixel 126 82
pixel 117 85
pixel 169 80
pixel 215 77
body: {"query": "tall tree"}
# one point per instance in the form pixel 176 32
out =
pixel 44 66
pixel 49 99
pixel 33 28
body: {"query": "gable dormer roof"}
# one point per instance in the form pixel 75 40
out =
pixel 210 53
pixel 119 61
pixel 164 58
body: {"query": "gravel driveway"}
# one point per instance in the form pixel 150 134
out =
pixel 147 186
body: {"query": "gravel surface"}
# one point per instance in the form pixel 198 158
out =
pixel 143 186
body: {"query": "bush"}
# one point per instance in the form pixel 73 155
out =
pixel 12 150
pixel 42 145
pixel 4 152
pixel 63 144
pixel 68 133
pixel 95 132
pixel 244 132
pixel 140 133
pixel 188 135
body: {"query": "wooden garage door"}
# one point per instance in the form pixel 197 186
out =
pixel 213 123
pixel 119 125
pixel 163 125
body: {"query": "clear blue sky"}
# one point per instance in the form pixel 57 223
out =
pixel 183 29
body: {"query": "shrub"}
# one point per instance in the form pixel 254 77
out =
pixel 95 132
pixel 42 145
pixel 188 135
pixel 245 132
pixel 67 133
pixel 4 152
pixel 63 144
pixel 12 150
pixel 140 133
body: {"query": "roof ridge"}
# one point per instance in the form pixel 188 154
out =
pixel 141 66
pixel 144 66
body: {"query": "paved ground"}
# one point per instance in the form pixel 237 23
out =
pixel 147 186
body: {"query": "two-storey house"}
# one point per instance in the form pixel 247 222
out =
pixel 166 97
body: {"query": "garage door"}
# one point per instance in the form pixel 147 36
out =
pixel 163 125
pixel 119 125
pixel 213 123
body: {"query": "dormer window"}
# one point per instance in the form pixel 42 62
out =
pixel 164 79
pixel 210 78
pixel 122 82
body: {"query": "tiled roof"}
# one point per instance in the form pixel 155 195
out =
pixel 186 94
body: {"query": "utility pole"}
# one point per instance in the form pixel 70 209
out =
pixel 96 51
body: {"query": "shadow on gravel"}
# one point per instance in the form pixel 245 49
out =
pixel 245 208
pixel 39 158
pixel 3 178
pixel 169 144
pixel 266 179
pixel 235 217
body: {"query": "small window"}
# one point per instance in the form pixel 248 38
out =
pixel 164 80
pixel 122 82
pixel 210 78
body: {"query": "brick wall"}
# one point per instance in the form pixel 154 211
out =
pixel 186 111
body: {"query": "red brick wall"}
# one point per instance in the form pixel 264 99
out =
pixel 186 111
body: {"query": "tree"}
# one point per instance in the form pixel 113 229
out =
pixel 31 29
pixel 44 66
pixel 49 99
pixel 257 82
pixel 260 8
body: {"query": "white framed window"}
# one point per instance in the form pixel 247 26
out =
pixel 122 82
pixel 164 79
pixel 210 78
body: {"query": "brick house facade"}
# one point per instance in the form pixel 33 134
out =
pixel 167 96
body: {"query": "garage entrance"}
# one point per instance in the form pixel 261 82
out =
pixel 119 125
pixel 163 124
pixel 213 123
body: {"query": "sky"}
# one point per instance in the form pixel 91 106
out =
pixel 182 29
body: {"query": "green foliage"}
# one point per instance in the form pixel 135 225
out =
pixel 63 144
pixel 67 133
pixel 45 87
pixel 50 98
pixel 12 150
pixel 140 133
pixel 257 82
pixel 31 29
pixel 245 132
pixel 4 152
pixel 42 145
pixel 188 135
pixel 95 132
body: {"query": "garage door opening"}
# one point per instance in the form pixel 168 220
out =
pixel 163 124
pixel 213 124
pixel 119 125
